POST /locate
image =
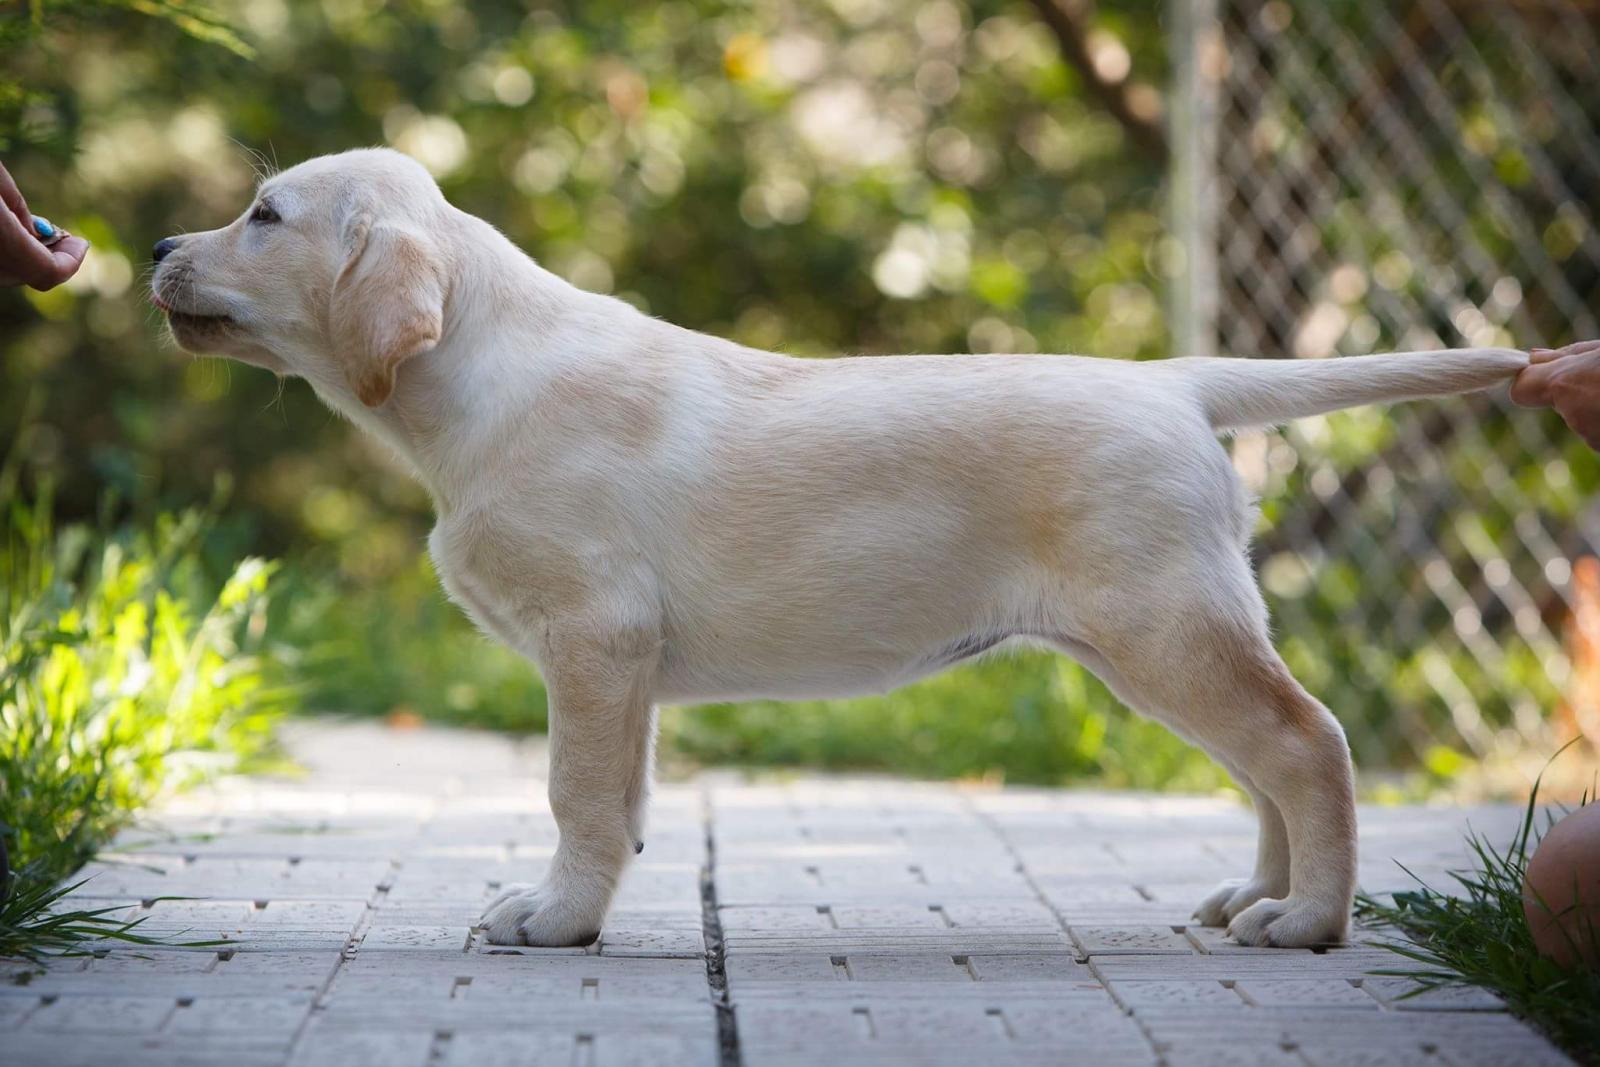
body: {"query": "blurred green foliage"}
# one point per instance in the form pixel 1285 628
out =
pixel 399 648
pixel 127 668
pixel 1023 717
pixel 855 175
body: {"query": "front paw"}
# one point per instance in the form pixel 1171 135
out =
pixel 1232 897
pixel 1291 923
pixel 543 916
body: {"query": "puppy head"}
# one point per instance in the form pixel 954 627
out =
pixel 335 273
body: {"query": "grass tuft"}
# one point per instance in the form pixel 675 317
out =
pixel 34 924
pixel 1478 936
pixel 124 672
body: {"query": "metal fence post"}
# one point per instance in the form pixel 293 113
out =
pixel 1197 58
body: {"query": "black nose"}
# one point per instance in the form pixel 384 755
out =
pixel 163 247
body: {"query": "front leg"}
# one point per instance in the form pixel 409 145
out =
pixel 599 705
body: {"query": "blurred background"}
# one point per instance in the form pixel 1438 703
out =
pixel 1124 179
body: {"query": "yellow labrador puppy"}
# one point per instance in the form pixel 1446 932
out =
pixel 654 515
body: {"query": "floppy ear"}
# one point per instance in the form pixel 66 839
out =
pixel 388 304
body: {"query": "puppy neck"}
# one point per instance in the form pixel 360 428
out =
pixel 502 339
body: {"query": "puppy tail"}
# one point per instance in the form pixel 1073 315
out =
pixel 1238 393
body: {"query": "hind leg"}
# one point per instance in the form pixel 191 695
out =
pixel 1271 875
pixel 1197 658
pixel 1308 776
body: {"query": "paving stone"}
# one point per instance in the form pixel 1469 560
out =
pixel 265 939
pixel 423 937
pixel 780 967
pixel 1290 965
pixel 102 1014
pixel 326 1047
pixel 774 918
pixel 1060 968
pixel 234 838
pixel 1267 1055
pixel 1402 994
pixel 876 1056
pixel 529 967
pixel 1213 940
pixel 148 971
pixel 1096 1020
pixel 1137 995
pixel 887 917
pixel 431 985
pixel 145 1050
pixel 685 943
pixel 1320 1054
pixel 996 914
pixel 893 942
pixel 1217 1025
pixel 920 968
pixel 118 965
pixel 1498 1050
pixel 1308 993
pixel 180 914
pixel 465 913
pixel 668 1016
pixel 252 879
pixel 13 1009
pixel 1130 940
pixel 313 965
pixel 602 1050
pixel 960 1032
pixel 341 915
pixel 685 985
pixel 245 1014
pixel 1075 1000
pixel 173 986
pixel 1146 913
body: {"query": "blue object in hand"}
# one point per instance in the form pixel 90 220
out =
pixel 43 228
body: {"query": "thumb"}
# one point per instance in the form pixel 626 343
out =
pixel 1532 389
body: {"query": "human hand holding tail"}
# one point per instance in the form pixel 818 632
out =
pixel 1567 379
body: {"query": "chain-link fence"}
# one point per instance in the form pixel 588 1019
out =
pixel 1357 176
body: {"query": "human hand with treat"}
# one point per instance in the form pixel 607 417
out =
pixel 33 251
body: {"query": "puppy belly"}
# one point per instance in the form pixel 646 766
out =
pixel 849 672
pixel 715 683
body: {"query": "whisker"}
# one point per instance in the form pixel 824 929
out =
pixel 260 169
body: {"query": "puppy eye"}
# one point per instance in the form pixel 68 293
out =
pixel 264 213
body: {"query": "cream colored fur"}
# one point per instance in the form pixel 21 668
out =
pixel 654 515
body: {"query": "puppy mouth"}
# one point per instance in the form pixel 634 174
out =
pixel 198 322
pixel 195 320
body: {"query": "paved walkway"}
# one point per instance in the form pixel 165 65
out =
pixel 794 921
